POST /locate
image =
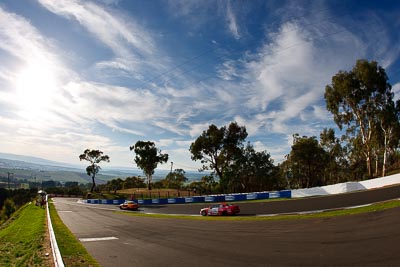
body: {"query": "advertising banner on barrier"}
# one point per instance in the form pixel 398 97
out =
pixel 285 194
pixel 236 197
pixel 189 200
pixel 273 195
pixel 251 196
pixel 209 199
pixel 230 198
pixel 200 199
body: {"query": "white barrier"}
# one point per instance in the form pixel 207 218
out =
pixel 58 262
pixel 347 187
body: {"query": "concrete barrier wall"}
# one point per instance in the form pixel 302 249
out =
pixel 347 187
pixel 380 182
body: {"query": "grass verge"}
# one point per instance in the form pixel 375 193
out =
pixel 340 212
pixel 72 251
pixel 22 238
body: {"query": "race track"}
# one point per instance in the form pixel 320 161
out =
pixel 369 239
pixel 290 206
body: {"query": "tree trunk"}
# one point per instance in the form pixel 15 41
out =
pixel 384 164
pixel 387 135
pixel 384 154
pixel 369 164
pixel 93 184
pixel 149 182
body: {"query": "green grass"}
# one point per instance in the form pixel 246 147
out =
pixel 372 208
pixel 72 251
pixel 22 238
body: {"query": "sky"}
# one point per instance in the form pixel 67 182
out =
pixel 105 74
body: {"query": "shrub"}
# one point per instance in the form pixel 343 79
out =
pixel 8 209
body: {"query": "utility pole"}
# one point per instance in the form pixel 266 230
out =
pixel 8 175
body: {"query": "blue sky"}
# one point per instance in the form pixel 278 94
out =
pixel 105 74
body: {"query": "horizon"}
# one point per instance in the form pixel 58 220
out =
pixel 104 74
pixel 80 168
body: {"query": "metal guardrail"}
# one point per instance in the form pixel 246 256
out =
pixel 58 261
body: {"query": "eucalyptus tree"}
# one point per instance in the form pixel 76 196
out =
pixel 134 181
pixel 208 183
pixel 94 157
pixel 218 148
pixel 355 98
pixel 175 179
pixel 389 117
pixel 253 171
pixel 307 161
pixel 148 156
pixel 337 158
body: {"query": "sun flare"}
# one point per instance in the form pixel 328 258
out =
pixel 35 89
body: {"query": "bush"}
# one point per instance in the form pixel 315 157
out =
pixel 8 209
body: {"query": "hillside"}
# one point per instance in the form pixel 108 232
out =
pixel 37 170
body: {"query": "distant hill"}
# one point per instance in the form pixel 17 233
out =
pixel 31 168
pixel 33 160
pixel 37 169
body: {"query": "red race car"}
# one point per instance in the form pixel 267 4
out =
pixel 220 209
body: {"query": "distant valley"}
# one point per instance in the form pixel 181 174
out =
pixel 35 169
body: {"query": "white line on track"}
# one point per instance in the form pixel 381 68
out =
pixel 92 239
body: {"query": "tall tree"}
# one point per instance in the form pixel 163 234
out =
pixel 337 161
pixel 307 161
pixel 176 179
pixel 94 157
pixel 115 184
pixel 148 156
pixel 217 148
pixel 207 183
pixel 252 171
pixel 134 181
pixel 355 97
pixel 389 122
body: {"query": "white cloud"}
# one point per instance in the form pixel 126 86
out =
pixel 164 142
pixel 252 125
pixel 396 90
pixel 184 143
pixel 125 37
pixel 19 38
pixel 227 71
pixel 113 106
pixel 290 74
pixel 197 129
pixel 232 24
pixel 181 160
pixel 199 13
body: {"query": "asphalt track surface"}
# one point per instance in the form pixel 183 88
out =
pixel 370 239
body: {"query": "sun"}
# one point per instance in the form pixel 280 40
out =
pixel 35 88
